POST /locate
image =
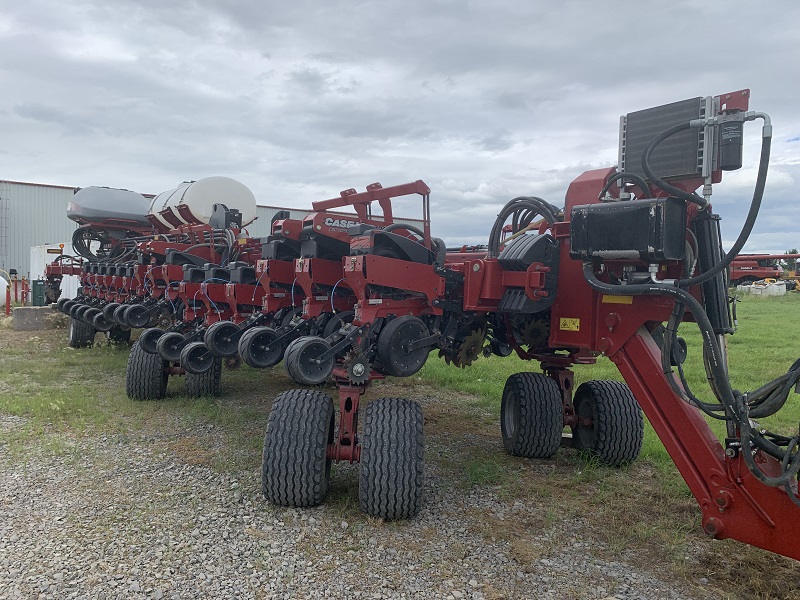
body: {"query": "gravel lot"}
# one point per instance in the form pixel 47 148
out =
pixel 123 515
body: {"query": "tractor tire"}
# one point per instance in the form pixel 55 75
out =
pixel 390 478
pixel 146 375
pixel 81 334
pixel 119 335
pixel 531 415
pixel 295 468
pixel 615 436
pixel 205 384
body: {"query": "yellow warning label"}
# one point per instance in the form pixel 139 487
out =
pixel 617 300
pixel 570 324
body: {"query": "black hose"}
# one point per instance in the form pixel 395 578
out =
pixel 733 402
pixel 532 206
pixel 750 221
pixel 631 176
pixel 657 181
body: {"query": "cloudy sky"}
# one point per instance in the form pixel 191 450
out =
pixel 300 99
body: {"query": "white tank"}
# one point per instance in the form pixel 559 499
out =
pixel 201 196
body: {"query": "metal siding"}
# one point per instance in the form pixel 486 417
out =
pixel 37 215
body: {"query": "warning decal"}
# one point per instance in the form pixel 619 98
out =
pixel 568 324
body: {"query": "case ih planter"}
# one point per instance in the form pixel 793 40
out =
pixel 350 298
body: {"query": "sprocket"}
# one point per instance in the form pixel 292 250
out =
pixel 470 348
pixel 358 368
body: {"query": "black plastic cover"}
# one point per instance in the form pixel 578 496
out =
pixel 650 229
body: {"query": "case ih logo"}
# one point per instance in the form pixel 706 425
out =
pixel 343 223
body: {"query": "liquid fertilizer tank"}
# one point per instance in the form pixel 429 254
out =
pixel 193 201
pixel 108 206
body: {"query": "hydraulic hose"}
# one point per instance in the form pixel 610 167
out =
pixel 733 402
pixel 755 204
pixel 532 206
pixel 630 176
pixel 689 197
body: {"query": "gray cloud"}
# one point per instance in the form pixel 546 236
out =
pixel 484 101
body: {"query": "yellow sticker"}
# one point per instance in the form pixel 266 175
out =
pixel 570 324
pixel 617 299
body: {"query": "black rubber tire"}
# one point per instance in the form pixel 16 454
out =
pixel 295 468
pixel 206 384
pixel 119 314
pixel 148 339
pixel 89 315
pixel 80 311
pixel 219 339
pixel 391 471
pixel 65 308
pixel 108 310
pixel 531 415
pixel 168 346
pixel 61 302
pixel 300 357
pixel 80 334
pixel 617 425
pixel 101 323
pixel 146 375
pixel 73 310
pixel 137 316
pixel 119 335
pixel 395 335
pixel 196 358
pixel 257 348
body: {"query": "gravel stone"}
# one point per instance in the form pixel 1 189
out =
pixel 119 516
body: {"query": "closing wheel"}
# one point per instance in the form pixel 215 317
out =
pixel 119 314
pixel 108 310
pixel 336 322
pixel 169 346
pixel 295 468
pixel 258 347
pixel 392 447
pixel 615 435
pixel 208 383
pixel 146 375
pixel 89 315
pixel 137 316
pixel 148 339
pixel 196 358
pixel 101 323
pixel 531 415
pixel 61 302
pixel 67 306
pixel 393 343
pixel 303 362
pixel 220 339
pixel 81 334
pixel 74 308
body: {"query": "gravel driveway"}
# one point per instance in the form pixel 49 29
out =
pixel 124 516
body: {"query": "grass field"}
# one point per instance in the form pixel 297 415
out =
pixel 645 509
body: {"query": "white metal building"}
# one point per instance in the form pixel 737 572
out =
pixel 31 214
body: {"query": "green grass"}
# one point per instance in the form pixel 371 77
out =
pixel 766 343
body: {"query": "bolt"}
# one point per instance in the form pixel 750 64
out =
pixel 358 369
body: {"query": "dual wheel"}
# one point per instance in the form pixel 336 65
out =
pixel 81 334
pixel 147 374
pixel 531 419
pixel 296 467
